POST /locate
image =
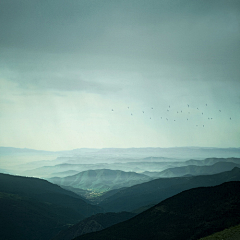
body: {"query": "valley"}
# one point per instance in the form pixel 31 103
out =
pixel 73 197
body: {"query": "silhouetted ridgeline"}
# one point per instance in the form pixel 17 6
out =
pixel 189 215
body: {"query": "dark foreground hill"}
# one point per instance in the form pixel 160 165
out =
pixel 44 191
pixel 92 224
pixel 189 215
pixel 157 190
pixel 32 208
pixel 25 218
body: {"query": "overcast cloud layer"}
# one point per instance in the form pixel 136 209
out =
pixel 119 73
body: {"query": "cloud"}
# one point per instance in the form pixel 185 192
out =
pixel 171 31
pixel 38 71
pixel 133 53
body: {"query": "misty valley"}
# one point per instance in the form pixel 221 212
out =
pixel 134 193
pixel 119 120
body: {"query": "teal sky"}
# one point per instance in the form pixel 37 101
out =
pixel 128 73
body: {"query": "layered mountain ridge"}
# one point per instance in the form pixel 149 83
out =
pixel 102 180
pixel 152 192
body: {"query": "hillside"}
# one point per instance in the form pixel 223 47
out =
pixel 154 191
pixel 232 233
pixel 44 191
pixel 92 224
pixel 101 180
pixel 25 218
pixel 35 209
pixel 189 215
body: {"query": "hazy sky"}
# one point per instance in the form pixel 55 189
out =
pixel 65 65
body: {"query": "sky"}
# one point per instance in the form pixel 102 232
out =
pixel 127 73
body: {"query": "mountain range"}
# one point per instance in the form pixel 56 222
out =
pixel 203 180
pixel 101 180
pixel 153 167
pixel 44 164
pixel 90 189
pixel 195 170
pixel 36 209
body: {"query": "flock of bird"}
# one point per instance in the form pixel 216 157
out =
pixel 188 111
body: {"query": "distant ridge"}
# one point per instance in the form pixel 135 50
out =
pixel 127 150
pixel 198 170
pixel 8 150
pixel 101 179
